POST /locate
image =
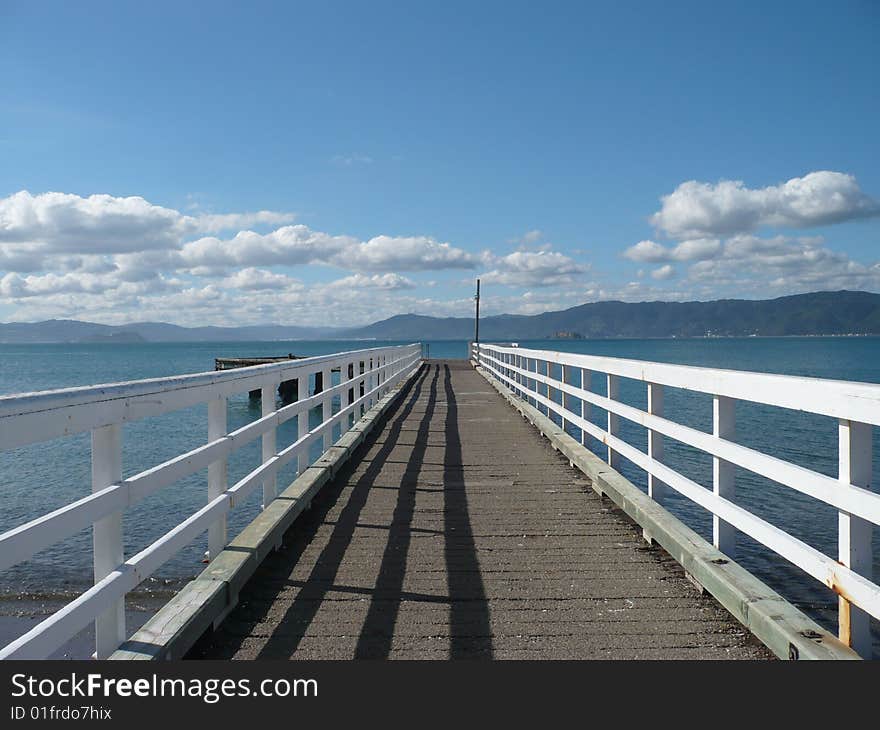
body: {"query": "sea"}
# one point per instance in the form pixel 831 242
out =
pixel 37 479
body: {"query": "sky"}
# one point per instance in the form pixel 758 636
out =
pixel 338 163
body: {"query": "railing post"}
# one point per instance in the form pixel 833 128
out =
pixel 521 379
pixel 854 533
pixel 270 483
pixel 563 396
pixel 548 390
pixel 217 474
pixel 302 425
pixel 107 545
pixel 723 472
pixel 613 419
pixel 362 386
pixel 586 377
pixel 351 416
pixel 533 382
pixel 656 488
pixel 537 384
pixel 327 407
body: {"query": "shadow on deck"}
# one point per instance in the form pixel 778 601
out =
pixel 460 533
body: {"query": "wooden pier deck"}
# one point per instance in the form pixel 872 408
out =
pixel 460 533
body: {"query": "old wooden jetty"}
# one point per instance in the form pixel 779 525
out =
pixel 287 389
pixel 456 513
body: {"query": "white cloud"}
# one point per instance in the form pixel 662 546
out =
pixel 532 268
pixel 697 210
pixel 255 279
pixel 137 239
pixel 15 286
pixel 386 282
pixel 32 225
pixel 60 222
pixel 667 271
pixel 111 259
pixel 417 253
pixel 696 249
pixel 299 245
pixel 746 264
pixel 651 252
pixel 715 225
pixel 749 265
pixel 216 223
pixel 288 246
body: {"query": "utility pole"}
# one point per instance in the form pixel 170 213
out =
pixel 477 319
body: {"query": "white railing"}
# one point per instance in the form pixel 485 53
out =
pixel 856 406
pixel 365 376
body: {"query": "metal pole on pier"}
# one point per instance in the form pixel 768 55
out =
pixel 477 318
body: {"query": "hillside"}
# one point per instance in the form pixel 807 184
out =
pixel 818 313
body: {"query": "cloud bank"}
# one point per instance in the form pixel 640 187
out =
pixel 117 259
pixel 697 210
pixel 718 241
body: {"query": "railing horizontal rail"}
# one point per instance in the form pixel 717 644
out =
pixel 364 376
pixel 857 501
pixel 26 540
pixel 835 398
pixel 527 373
pixel 52 632
pixel 816 563
pixel 36 417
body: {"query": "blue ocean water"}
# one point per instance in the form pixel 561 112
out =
pixel 37 479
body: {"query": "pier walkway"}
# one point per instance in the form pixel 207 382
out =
pixel 453 509
pixel 459 532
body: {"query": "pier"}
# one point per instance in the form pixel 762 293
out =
pixel 287 389
pixel 455 512
pixel 440 542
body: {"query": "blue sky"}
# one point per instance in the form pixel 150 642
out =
pixel 374 158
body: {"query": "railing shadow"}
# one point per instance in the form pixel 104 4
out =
pixel 468 618
pixel 470 629
pixel 276 571
pixel 292 627
pixel 377 634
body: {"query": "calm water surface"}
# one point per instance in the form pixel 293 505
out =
pixel 37 479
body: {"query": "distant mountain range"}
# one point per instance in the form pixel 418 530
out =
pixel 71 330
pixel 818 313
